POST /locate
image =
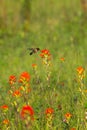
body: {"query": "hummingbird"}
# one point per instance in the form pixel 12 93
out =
pixel 33 50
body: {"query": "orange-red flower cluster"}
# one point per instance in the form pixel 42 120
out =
pixel 4 107
pixel 12 79
pixel 80 70
pixel 62 59
pixel 34 65
pixel 25 76
pixel 73 129
pixel 45 53
pixel 16 93
pixel 49 111
pixel 27 111
pixel 68 115
pixel 5 121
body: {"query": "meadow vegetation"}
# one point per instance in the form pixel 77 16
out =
pixel 46 90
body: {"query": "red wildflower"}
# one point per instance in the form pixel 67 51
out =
pixel 34 65
pixel 5 121
pixel 68 115
pixel 16 93
pixel 80 70
pixel 4 107
pixel 44 53
pixel 24 77
pixel 12 79
pixel 73 129
pixel 27 110
pixel 49 111
pixel 62 59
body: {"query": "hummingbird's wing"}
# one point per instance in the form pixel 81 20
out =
pixel 31 52
pixel 31 49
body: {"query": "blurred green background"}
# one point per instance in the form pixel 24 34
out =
pixel 59 26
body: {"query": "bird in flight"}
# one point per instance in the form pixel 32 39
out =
pixel 33 50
